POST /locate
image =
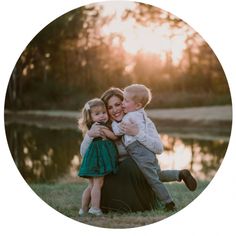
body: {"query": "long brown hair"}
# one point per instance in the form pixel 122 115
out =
pixel 110 93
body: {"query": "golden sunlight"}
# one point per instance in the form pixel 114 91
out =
pixel 179 158
pixel 152 39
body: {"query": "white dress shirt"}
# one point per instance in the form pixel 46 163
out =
pixel 147 131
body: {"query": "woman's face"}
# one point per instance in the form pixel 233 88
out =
pixel 114 108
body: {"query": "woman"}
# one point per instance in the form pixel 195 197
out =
pixel 128 190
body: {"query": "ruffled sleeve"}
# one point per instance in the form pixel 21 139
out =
pixel 85 144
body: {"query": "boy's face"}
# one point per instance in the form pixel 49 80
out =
pixel 99 114
pixel 129 104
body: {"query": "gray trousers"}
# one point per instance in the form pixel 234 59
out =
pixel 148 164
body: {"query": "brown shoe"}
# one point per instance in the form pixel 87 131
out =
pixel 188 179
pixel 170 206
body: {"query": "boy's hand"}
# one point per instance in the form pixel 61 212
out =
pixel 129 128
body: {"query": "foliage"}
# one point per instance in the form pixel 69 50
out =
pixel 71 60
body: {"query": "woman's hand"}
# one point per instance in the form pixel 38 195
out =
pixel 96 131
pixel 129 128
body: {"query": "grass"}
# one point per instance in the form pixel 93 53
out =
pixel 65 198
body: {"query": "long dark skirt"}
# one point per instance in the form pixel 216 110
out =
pixel 127 190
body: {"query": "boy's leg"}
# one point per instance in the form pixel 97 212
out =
pixel 147 162
pixel 169 175
pixel 188 179
pixel 177 175
pixel 150 172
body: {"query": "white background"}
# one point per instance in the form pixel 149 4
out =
pixel 22 212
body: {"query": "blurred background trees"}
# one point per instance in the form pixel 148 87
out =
pixel 86 51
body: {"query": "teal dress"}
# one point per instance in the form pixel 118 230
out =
pixel 100 159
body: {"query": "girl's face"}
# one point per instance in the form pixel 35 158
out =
pixel 114 108
pixel 99 114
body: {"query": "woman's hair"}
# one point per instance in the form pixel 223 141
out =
pixel 110 93
pixel 85 121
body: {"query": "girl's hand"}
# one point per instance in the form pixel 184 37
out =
pixel 109 134
pixel 129 128
pixel 96 131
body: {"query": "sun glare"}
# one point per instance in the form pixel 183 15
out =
pixel 179 158
pixel 151 39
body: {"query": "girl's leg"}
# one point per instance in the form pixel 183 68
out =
pixel 86 197
pixel 96 192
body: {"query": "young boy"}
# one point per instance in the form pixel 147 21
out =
pixel 136 97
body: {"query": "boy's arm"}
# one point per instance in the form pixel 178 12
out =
pixel 150 139
pixel 136 117
pixel 109 134
pixel 116 128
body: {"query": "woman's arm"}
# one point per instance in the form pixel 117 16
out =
pixel 85 144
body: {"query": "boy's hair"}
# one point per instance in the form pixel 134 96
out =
pixel 139 93
pixel 85 121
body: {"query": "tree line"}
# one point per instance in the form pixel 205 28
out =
pixel 71 61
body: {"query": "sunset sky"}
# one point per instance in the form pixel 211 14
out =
pixel 152 39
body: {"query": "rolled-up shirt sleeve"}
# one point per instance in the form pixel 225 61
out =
pixel 85 144
pixel 116 128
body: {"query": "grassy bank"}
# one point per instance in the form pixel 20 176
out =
pixel 65 198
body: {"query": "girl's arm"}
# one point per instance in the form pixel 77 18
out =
pixel 95 131
pixel 109 134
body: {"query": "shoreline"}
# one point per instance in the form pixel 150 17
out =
pixel 192 113
pixel 214 119
pixel 199 122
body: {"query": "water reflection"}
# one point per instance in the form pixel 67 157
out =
pixel 48 155
pixel 202 157
pixel 43 154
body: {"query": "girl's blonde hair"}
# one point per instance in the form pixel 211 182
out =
pixel 85 121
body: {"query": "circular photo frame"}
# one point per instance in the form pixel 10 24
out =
pixel 131 95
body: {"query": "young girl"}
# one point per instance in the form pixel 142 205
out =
pixel 100 158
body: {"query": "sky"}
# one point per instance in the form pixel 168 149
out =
pixel 150 39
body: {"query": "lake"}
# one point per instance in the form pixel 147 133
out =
pixel 49 155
